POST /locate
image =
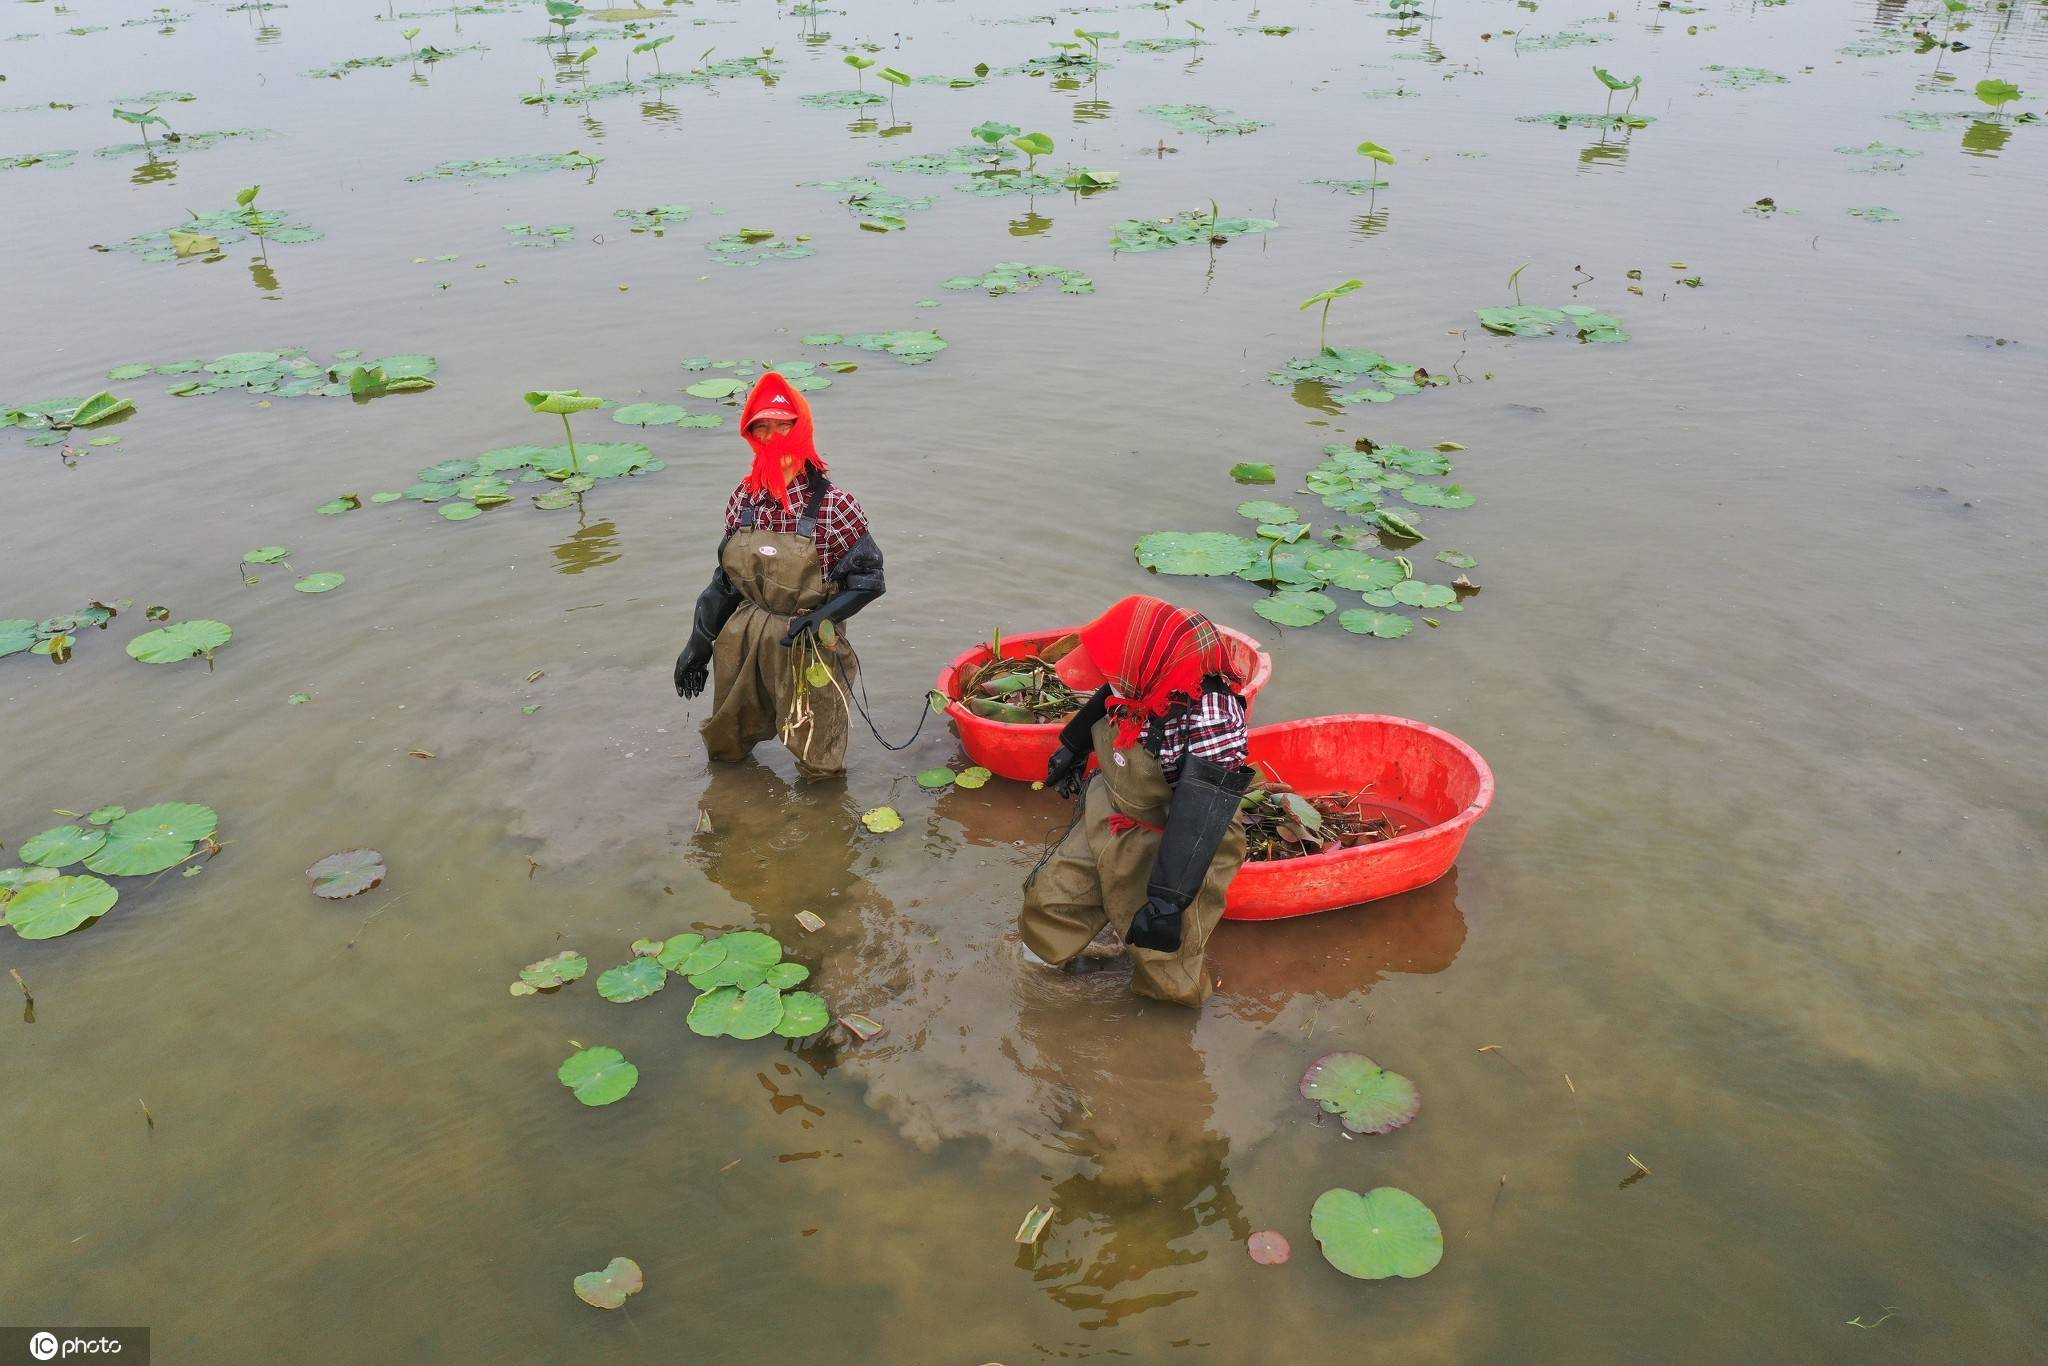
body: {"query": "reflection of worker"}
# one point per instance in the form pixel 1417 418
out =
pixel 796 555
pixel 1158 839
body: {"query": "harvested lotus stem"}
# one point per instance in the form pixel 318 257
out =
pixel 1022 690
pixel 1280 823
pixel 810 670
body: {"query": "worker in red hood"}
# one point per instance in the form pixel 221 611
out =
pixel 1158 840
pixel 797 560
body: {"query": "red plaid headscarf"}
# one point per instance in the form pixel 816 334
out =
pixel 774 396
pixel 1155 656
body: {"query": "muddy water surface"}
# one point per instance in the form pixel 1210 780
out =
pixel 1757 664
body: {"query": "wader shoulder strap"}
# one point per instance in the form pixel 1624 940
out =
pixel 807 525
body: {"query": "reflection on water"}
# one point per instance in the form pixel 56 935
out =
pixel 1371 223
pixel 1030 225
pixel 1984 138
pixel 154 171
pixel 1092 111
pixel 590 546
pixel 265 278
pixel 1603 153
pixel 895 130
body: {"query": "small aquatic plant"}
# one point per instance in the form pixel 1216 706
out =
pixel 1376 152
pixel 859 65
pixel 1033 146
pixel 654 47
pixel 894 78
pixel 564 402
pixel 1326 298
pixel 1614 83
pixel 143 120
pixel 562 13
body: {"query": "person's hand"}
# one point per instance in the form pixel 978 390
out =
pixel 692 671
pixel 1156 926
pixel 1067 771
pixel 803 626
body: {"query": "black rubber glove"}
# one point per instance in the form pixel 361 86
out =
pixel 1156 926
pixel 715 606
pixel 1067 771
pixel 843 605
pixel 1205 804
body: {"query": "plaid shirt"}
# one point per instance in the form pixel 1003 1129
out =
pixel 841 523
pixel 1212 728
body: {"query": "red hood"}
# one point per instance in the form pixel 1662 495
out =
pixel 1155 656
pixel 775 396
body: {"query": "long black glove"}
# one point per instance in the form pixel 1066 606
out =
pixel 1069 766
pixel 1205 802
pixel 860 583
pixel 715 606
pixel 842 605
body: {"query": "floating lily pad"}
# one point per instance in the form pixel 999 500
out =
pixel 1150 234
pixel 1207 553
pixel 1014 277
pixel 348 873
pixel 264 554
pixel 1362 621
pixel 61 847
pixel 1268 1248
pixel 493 168
pixel 676 949
pixel 1384 1232
pixel 935 778
pixel 319 583
pixel 783 976
pixel 1370 1099
pixel 748 955
pixel 16 635
pixel 1202 118
pixel 179 641
pixel 554 971
pixel 656 220
pixel 103 815
pixel 803 1015
pixel 1295 608
pixel 205 234
pixel 972 778
pixel 1356 570
pixel 728 1011
pixel 634 981
pixel 882 820
pixel 608 1289
pixel 598 1076
pixel 1252 473
pixel 651 415
pixel 44 910
pixel 459 512
pixel 13 880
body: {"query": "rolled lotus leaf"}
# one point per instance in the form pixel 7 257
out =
pixel 562 401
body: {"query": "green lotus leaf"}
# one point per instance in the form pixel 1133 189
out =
pixel 634 981
pixel 241 362
pixel 13 880
pixel 16 634
pixel 677 949
pixel 104 814
pixel 783 976
pixel 318 583
pixel 1281 564
pixel 1207 553
pixel 1384 1232
pixel 803 1015
pixel 1438 495
pixel 882 820
pixel 179 641
pixel 1354 569
pixel 747 957
pixel 1252 473
pixel 348 873
pixel 1201 118
pixel 427 492
pixel 502 459
pixel 562 401
pixel 598 1076
pixel 1398 525
pixel 449 471
pixel 728 1011
pixel 1416 593
pixel 650 414
pixel 1263 510
pixel 99 408
pixel 554 971
pixel 972 778
pixel 1361 621
pixel 44 910
pixel 459 512
pixel 61 847
pixel 703 958
pixel 608 1289
pixel 932 779
pixel 1370 1099
pixel 1295 608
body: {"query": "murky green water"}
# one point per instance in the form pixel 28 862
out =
pixel 1758 666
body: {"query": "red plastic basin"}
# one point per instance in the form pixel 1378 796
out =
pixel 1433 783
pixel 1022 752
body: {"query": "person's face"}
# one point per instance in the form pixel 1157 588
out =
pixel 772 427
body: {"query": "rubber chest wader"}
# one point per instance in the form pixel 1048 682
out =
pixel 778 575
pixel 1096 876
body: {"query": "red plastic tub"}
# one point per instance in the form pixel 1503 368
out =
pixel 1432 783
pixel 1022 752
